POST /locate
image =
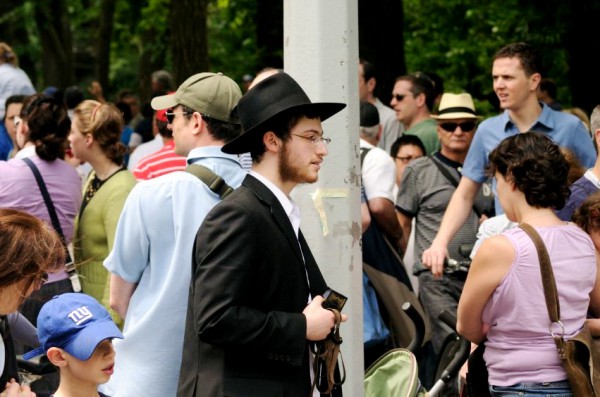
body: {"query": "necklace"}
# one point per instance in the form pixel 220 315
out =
pixel 93 187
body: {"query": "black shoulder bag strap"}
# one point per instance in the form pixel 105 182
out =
pixel 70 265
pixel 450 179
pixel 210 179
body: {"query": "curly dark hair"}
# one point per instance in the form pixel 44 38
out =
pixel 49 126
pixel 536 166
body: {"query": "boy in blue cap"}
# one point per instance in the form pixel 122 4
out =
pixel 76 334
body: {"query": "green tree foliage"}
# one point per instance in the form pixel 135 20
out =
pixel 458 38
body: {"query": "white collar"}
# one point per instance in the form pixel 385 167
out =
pixel 291 209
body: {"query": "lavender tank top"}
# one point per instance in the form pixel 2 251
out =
pixel 519 346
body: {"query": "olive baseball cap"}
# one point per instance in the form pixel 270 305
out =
pixel 211 94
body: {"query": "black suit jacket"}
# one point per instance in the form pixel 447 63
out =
pixel 245 332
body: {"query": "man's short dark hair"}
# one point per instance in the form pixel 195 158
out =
pixel 549 86
pixel 368 70
pixel 528 56
pixel 14 99
pixel 220 130
pixel 405 140
pixel 73 96
pixel 421 84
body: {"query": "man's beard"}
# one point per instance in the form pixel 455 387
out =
pixel 290 172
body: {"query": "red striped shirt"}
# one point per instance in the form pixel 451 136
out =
pixel 160 163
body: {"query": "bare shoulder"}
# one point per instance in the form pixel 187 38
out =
pixel 496 254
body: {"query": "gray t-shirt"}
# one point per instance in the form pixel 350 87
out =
pixel 425 193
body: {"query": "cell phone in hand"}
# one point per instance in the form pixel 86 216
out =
pixel 334 300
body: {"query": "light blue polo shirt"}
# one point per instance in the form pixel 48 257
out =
pixel 564 129
pixel 153 249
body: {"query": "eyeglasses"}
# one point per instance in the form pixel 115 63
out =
pixel 406 159
pixel 171 115
pixel 466 126
pixel 398 97
pixel 17 120
pixel 314 139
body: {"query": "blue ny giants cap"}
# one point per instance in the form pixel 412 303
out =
pixel 74 322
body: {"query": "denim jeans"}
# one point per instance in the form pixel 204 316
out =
pixel 554 389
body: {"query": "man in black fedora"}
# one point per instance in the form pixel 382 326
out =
pixel 256 292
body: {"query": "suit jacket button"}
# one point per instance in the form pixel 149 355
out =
pixel 288 358
pixel 270 356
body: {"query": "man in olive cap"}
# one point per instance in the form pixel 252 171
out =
pixel 256 293
pixel 150 262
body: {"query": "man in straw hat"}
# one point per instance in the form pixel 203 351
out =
pixel 427 186
pixel 149 263
pixel 249 325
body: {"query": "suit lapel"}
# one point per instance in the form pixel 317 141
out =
pixel 283 222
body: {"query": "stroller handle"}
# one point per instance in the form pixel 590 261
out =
pixel 415 317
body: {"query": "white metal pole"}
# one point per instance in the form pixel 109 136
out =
pixel 321 53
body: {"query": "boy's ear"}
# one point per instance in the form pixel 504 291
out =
pixel 57 357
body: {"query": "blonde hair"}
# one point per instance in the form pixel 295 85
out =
pixel 7 55
pixel 104 122
pixel 580 114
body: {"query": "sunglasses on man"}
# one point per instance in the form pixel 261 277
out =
pixel 465 126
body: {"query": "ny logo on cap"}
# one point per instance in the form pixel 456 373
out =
pixel 80 315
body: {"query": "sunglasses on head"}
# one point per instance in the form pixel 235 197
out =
pixel 465 126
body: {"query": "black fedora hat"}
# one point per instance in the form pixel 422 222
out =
pixel 273 96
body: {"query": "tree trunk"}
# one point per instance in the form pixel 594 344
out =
pixel 381 41
pixel 52 20
pixel 189 49
pixel 102 64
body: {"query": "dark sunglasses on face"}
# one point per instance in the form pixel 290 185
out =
pixel 465 126
pixel 171 115
pixel 398 97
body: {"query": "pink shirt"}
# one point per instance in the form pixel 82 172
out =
pixel 19 190
pixel 519 346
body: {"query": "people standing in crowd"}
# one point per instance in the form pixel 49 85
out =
pixel 150 147
pixel 13 107
pixel 378 175
pixel 149 264
pixel 44 127
pixel 590 181
pixel 128 97
pixel 94 138
pixel 516 75
pixel 165 160
pixel 404 150
pixel 367 86
pixel 30 250
pixel 413 100
pixel 76 335
pixel 503 297
pixel 13 80
pixel 162 83
pixel 427 186
pixel 248 326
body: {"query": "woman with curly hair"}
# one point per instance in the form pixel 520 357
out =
pixel 503 297
pixel 94 138
pixel 42 130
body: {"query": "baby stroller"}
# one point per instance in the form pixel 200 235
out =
pixel 395 374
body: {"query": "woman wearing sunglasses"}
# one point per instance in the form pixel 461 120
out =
pixel 94 138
